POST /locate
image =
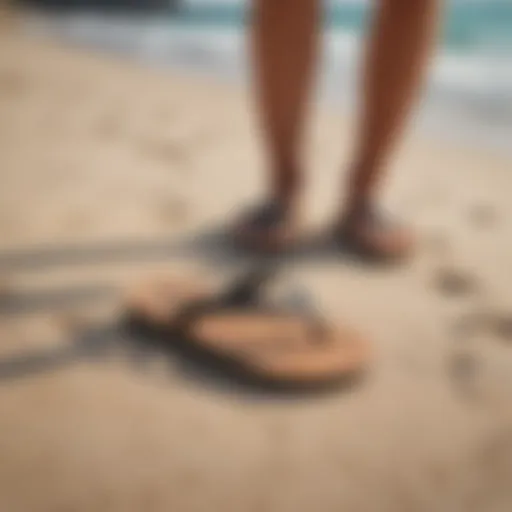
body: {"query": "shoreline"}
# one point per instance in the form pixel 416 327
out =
pixel 475 116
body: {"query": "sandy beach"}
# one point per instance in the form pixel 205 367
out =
pixel 110 172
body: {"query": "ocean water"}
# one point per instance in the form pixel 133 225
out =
pixel 469 94
pixel 470 24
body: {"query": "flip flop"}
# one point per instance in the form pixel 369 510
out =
pixel 374 237
pixel 266 227
pixel 283 345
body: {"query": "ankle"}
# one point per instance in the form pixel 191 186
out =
pixel 286 187
pixel 358 205
pixel 364 178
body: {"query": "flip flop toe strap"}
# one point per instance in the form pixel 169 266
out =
pixel 300 302
pixel 247 292
pixel 244 292
pixel 266 216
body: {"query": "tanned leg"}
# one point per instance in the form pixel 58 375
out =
pixel 285 40
pixel 402 39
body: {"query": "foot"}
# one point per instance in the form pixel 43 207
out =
pixel 271 226
pixel 372 236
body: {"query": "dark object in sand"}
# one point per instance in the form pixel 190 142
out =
pixel 463 367
pixel 501 326
pixel 454 282
pixel 106 5
pixel 497 324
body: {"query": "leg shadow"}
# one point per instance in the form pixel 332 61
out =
pixel 213 245
pixel 138 346
pixel 89 344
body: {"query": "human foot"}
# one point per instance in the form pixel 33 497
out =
pixel 270 226
pixel 371 235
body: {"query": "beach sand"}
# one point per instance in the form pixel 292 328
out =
pixel 110 172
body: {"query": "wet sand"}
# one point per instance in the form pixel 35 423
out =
pixel 110 172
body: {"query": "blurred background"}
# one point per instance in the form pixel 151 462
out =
pixel 127 142
pixel 470 94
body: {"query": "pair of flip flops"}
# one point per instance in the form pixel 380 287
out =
pixel 282 343
pixel 270 227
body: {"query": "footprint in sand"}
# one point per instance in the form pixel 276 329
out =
pixel 496 324
pixel 466 361
pixel 500 326
pixel 455 282
pixel 463 369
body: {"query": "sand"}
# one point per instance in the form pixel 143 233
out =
pixel 110 172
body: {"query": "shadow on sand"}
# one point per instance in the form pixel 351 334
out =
pixel 125 342
pixel 211 246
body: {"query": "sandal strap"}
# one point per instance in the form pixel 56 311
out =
pixel 267 215
pixel 243 292
pixel 248 291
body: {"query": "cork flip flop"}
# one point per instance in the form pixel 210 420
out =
pixel 277 344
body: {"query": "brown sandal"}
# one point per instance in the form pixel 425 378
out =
pixel 264 342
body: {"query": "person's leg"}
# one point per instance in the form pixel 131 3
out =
pixel 285 37
pixel 402 37
pixel 284 42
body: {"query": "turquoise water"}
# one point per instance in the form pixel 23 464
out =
pixel 470 25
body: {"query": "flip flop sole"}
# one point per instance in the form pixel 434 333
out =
pixel 282 348
pixel 279 349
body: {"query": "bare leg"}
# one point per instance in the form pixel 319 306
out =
pixel 397 59
pixel 285 36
